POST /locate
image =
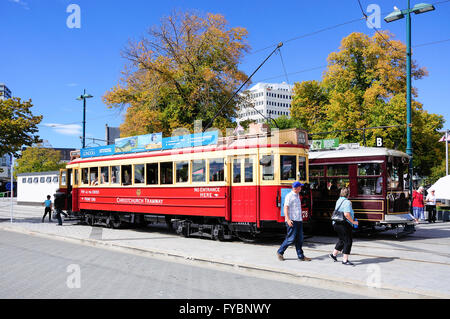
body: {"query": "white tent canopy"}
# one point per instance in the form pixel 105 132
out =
pixel 442 188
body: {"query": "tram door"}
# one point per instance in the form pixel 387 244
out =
pixel 243 189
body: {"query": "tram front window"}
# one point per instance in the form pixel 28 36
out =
pixel 302 168
pixel 267 167
pixel 395 170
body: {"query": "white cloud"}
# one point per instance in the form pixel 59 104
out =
pixel 22 3
pixel 65 129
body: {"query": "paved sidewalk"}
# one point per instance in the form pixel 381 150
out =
pixel 416 266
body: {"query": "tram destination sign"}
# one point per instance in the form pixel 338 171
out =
pixel 324 144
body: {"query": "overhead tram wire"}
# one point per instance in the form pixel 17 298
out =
pixel 376 30
pixel 327 29
pixel 284 67
pixel 237 91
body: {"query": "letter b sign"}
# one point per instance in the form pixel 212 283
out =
pixel 379 142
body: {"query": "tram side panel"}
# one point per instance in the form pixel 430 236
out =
pixel 189 201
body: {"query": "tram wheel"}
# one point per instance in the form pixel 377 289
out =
pixel 115 222
pixel 246 237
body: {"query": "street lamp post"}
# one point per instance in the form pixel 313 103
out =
pixel 84 97
pixel 393 16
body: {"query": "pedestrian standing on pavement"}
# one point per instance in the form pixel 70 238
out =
pixel 431 206
pixel 344 228
pixel 48 209
pixel 294 223
pixel 59 205
pixel 418 204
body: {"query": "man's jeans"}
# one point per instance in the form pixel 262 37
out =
pixel 294 236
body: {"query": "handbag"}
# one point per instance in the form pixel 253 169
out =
pixel 337 215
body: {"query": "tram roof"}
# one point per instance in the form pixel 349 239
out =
pixel 226 143
pixel 360 151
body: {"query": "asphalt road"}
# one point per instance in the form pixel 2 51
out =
pixel 34 267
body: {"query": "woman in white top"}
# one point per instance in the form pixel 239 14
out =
pixel 430 202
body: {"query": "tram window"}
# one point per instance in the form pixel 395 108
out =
pixel 216 170
pixel 75 180
pixel 199 171
pixel 35 180
pixel 55 179
pixel 30 180
pixel 182 172
pixel 166 173
pixel 248 169
pixel 336 184
pixel 267 162
pixel 394 173
pixel 126 175
pixel 287 167
pixel 370 186
pixel 24 180
pixel 104 175
pixel 115 174
pixel 237 170
pixel 42 180
pixel 152 174
pixel 84 175
pixel 316 171
pixel 139 174
pixel 93 176
pixel 369 169
pixel 63 178
pixel 337 170
pixel 302 168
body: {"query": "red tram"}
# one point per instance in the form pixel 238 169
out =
pixel 232 188
pixel 377 181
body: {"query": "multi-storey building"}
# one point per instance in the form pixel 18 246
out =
pixel 5 93
pixel 266 100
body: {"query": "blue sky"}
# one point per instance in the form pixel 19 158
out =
pixel 44 60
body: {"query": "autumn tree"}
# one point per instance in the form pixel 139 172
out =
pixel 38 159
pixel 183 70
pixel 364 86
pixel 18 125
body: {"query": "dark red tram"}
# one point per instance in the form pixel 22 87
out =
pixel 377 181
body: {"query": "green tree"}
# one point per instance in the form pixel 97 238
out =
pixel 364 86
pixel 17 125
pixel 184 70
pixel 38 159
